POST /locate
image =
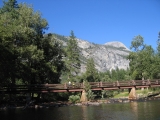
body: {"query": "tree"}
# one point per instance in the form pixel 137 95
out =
pixel 156 58
pixel 155 67
pixel 106 78
pixel 25 53
pixel 9 54
pixel 72 59
pixel 46 64
pixel 145 61
pixel 137 43
pixel 53 59
pixel 91 72
pixel 141 60
pixel 158 44
pixel 10 7
pixel 114 75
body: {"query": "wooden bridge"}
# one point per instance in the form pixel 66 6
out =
pixel 47 88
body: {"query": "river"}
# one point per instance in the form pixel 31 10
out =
pixel 149 110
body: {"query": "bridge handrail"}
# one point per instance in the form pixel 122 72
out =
pixel 80 85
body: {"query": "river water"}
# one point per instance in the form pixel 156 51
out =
pixel 149 110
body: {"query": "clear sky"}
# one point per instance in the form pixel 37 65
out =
pixel 101 21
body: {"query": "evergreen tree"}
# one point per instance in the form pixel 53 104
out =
pixel 10 7
pixel 91 72
pixel 72 59
pixel 114 75
pixel 9 54
pixel 53 57
pixel 158 44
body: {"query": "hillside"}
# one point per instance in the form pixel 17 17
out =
pixel 109 56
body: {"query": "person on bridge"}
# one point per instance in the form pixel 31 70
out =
pixel 73 84
pixel 69 83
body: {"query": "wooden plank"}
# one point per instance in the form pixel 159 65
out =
pixel 154 85
pixel 97 89
pixel 125 87
pixel 142 86
pixel 75 90
pixel 115 88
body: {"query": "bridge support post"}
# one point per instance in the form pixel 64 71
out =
pixel 132 93
pixel 83 96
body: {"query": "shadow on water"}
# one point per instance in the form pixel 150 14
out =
pixel 142 110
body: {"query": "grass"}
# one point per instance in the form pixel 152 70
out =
pixel 139 92
pixel 121 95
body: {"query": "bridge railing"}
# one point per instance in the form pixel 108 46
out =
pixel 40 87
pixel 154 82
pixel 141 82
pixel 12 87
pixel 108 84
pixel 73 85
pixel 124 83
pixel 94 84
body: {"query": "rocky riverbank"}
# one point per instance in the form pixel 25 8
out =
pixel 66 103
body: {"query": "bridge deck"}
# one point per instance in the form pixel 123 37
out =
pixel 45 88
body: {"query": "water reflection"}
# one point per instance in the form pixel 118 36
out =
pixel 119 111
pixel 84 112
pixel 134 107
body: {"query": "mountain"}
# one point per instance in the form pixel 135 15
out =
pixel 109 56
pixel 116 44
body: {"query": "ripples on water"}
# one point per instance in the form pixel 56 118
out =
pixel 118 111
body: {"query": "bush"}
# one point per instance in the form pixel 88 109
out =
pixel 90 95
pixel 74 98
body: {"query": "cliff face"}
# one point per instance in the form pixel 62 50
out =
pixel 109 56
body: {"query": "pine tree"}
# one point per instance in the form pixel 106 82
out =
pixel 158 44
pixel 91 71
pixel 72 59
pixel 9 6
pixel 8 52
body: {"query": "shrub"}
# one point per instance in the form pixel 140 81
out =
pixel 74 98
pixel 90 95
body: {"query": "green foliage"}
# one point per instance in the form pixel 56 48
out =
pixel 103 93
pixel 72 60
pixel 19 82
pixel 137 43
pixel 74 98
pixel 25 53
pixel 144 61
pixel 87 86
pixel 107 93
pixel 114 75
pixel 158 44
pixel 90 95
pixel 141 61
pixel 121 95
pixel 60 37
pixel 91 74
pixel 105 78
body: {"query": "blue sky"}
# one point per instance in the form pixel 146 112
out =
pixel 101 21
